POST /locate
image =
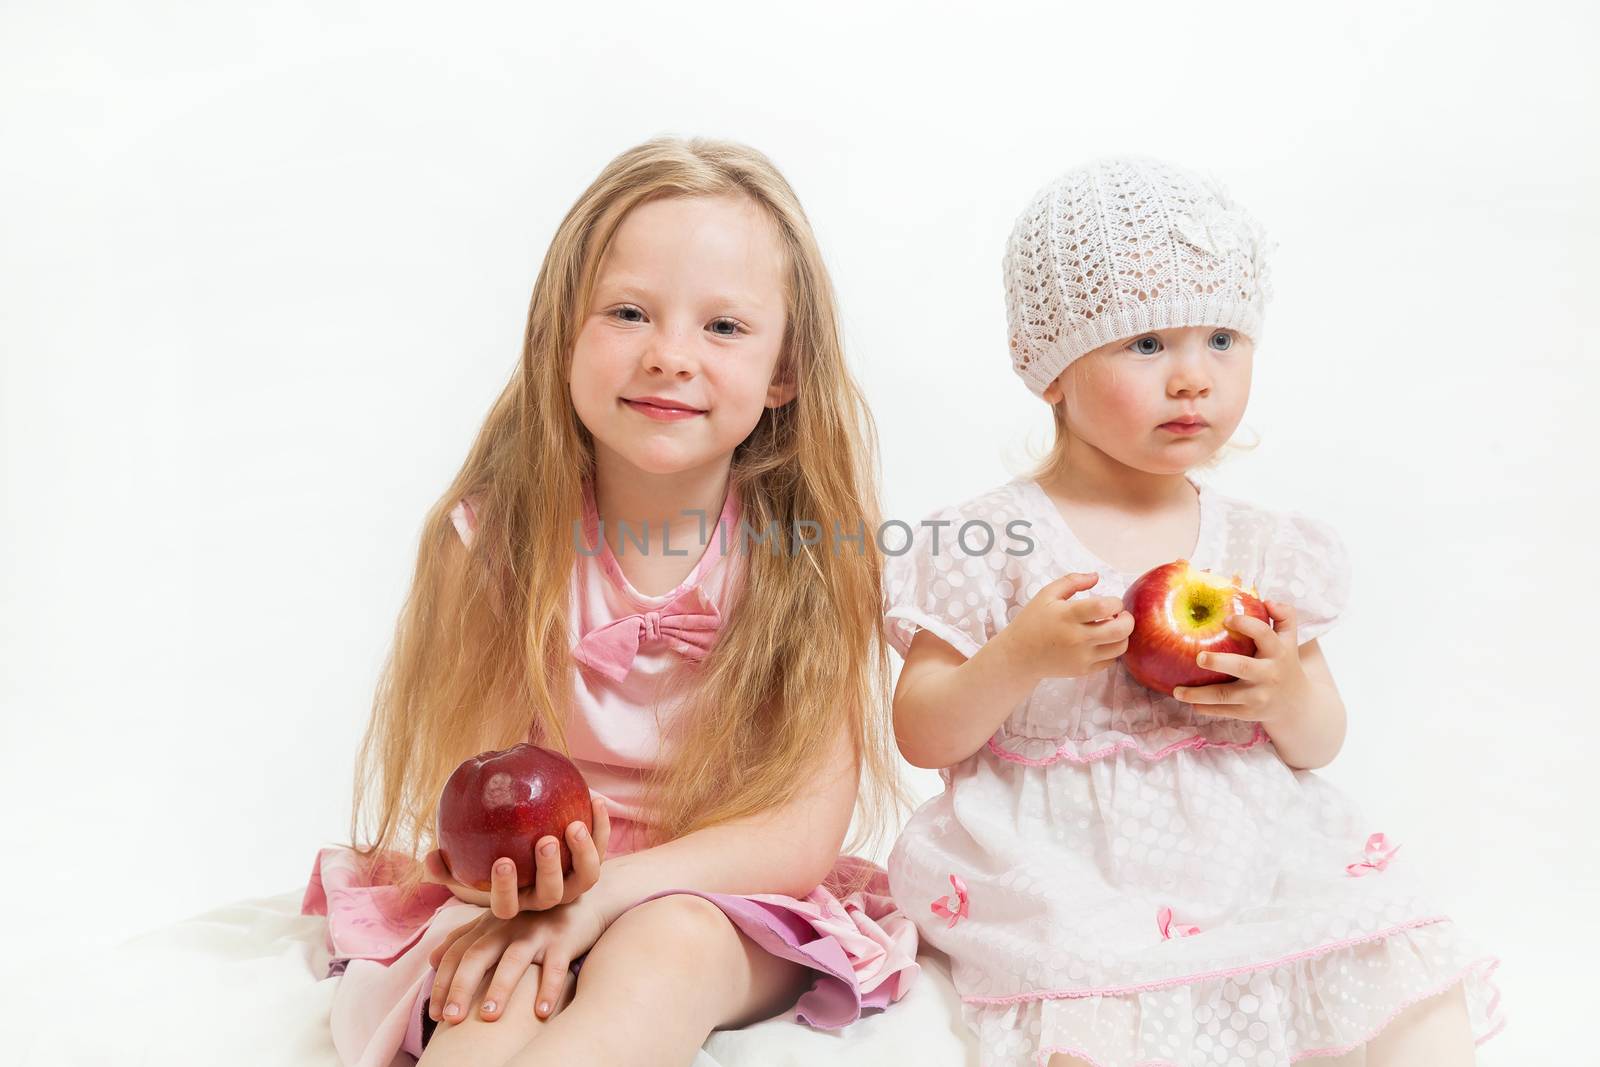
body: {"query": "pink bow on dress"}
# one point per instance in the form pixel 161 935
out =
pixel 954 906
pixel 1167 927
pixel 688 623
pixel 1378 853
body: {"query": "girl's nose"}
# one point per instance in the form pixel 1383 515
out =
pixel 1190 374
pixel 670 353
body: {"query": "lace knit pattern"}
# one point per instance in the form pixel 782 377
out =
pixel 1122 246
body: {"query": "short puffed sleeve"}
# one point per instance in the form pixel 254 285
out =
pixel 939 586
pixel 1308 566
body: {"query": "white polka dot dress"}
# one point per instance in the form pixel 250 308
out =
pixel 1122 878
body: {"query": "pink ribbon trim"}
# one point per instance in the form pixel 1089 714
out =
pixel 1378 855
pixel 1165 924
pixel 954 906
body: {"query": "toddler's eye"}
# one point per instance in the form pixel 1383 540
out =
pixel 733 327
pixel 1145 346
pixel 628 309
pixel 1224 337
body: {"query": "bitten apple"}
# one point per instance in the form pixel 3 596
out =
pixel 501 803
pixel 1178 612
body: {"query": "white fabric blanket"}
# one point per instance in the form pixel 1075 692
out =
pixel 238 985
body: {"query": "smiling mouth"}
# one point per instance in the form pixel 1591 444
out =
pixel 658 411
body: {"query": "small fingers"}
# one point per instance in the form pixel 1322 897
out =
pixel 435 870
pixel 443 947
pixel 552 975
pixel 503 889
pixel 1110 653
pixel 443 975
pixel 1250 626
pixel 585 862
pixel 1113 629
pixel 474 964
pixel 1205 694
pixel 1102 664
pixel 1242 667
pixel 1095 609
pixel 546 875
pixel 513 965
pixel 1231 700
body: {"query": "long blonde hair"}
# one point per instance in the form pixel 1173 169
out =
pixel 480 657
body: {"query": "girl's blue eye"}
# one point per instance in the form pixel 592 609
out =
pixel 1225 337
pixel 734 332
pixel 628 308
pixel 1146 346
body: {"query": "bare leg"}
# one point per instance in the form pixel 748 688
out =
pixel 476 1042
pixel 1435 1031
pixel 657 983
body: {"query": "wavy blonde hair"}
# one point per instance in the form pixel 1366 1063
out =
pixel 480 658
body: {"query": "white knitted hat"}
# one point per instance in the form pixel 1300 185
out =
pixel 1120 247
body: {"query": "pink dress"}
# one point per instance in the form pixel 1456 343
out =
pixel 861 947
pixel 1120 877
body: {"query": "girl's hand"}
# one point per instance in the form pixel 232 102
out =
pixel 1271 683
pixel 1058 634
pixel 549 888
pixel 551 938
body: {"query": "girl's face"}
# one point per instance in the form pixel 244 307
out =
pixel 1120 396
pixel 689 309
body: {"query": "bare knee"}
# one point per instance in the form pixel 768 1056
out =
pixel 480 1042
pixel 677 927
pixel 681 936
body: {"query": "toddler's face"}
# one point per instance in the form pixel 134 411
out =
pixel 688 307
pixel 1119 395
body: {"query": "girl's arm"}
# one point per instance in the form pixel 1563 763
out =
pixel 1309 730
pixel 946 705
pixel 945 709
pixel 788 850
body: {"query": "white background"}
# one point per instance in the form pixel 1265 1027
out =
pixel 263 269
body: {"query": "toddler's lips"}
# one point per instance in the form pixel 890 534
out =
pixel 1184 429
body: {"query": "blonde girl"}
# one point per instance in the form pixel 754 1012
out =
pixel 616 571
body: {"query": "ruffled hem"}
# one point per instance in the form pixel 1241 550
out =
pixel 1156 745
pixel 861 947
pixel 1322 1006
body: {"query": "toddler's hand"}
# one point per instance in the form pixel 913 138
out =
pixel 549 888
pixel 552 939
pixel 1270 683
pixel 1060 635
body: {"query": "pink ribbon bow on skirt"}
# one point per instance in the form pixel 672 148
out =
pixel 1378 854
pixel 954 906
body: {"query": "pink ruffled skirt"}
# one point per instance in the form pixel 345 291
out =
pixel 860 946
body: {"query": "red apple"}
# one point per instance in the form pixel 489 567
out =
pixel 501 803
pixel 1178 612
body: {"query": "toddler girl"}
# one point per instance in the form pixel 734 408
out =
pixel 587 583
pixel 1121 877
